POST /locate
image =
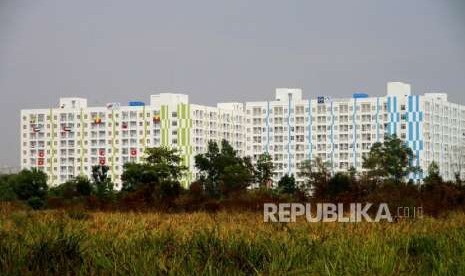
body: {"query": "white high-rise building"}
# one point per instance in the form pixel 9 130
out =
pixel 66 141
pixel 340 131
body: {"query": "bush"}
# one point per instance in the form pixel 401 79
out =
pixel 6 189
pixel 36 203
pixel 287 185
pixel 338 184
pixel 30 183
pixel 440 197
pixel 83 186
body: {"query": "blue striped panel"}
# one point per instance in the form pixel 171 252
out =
pixel 354 126
pixel 415 118
pixel 410 131
pixel 389 115
pixel 410 139
pixel 410 103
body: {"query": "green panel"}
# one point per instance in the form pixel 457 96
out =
pixel 178 110
pixel 184 129
pixel 164 125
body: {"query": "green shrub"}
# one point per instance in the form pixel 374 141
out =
pixel 36 203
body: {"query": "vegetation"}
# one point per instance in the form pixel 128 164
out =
pixel 157 178
pixel 264 170
pixel 54 243
pixel 28 185
pixel 433 176
pixel 390 160
pixel 103 186
pixel 75 188
pixel 316 174
pixel 194 231
pixel 228 181
pixel 7 192
pixel 222 171
pixel 287 185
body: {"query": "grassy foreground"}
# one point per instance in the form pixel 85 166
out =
pixel 74 243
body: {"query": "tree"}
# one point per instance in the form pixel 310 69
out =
pixel 373 162
pixel 316 175
pixel 157 177
pixel 433 176
pixel 30 183
pixel 352 173
pixel 391 159
pixel 338 184
pixel 136 175
pixel 65 190
pixel 76 187
pixel 236 177
pixel 264 170
pixel 7 192
pixel 458 179
pixel 223 171
pixel 206 162
pixel 287 185
pixel 166 162
pixel 101 181
pixel 29 186
pixel 83 186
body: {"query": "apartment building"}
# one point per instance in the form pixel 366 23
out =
pixel 340 131
pixel 68 140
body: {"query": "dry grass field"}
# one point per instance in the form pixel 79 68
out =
pixel 86 243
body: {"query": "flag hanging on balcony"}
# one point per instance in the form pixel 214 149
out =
pixel 36 128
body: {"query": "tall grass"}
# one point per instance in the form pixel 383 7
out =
pixel 61 243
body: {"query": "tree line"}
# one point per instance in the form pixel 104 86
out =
pixel 227 180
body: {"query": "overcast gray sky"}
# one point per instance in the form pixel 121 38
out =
pixel 221 51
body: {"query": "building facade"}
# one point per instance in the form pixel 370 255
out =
pixel 341 131
pixel 68 140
